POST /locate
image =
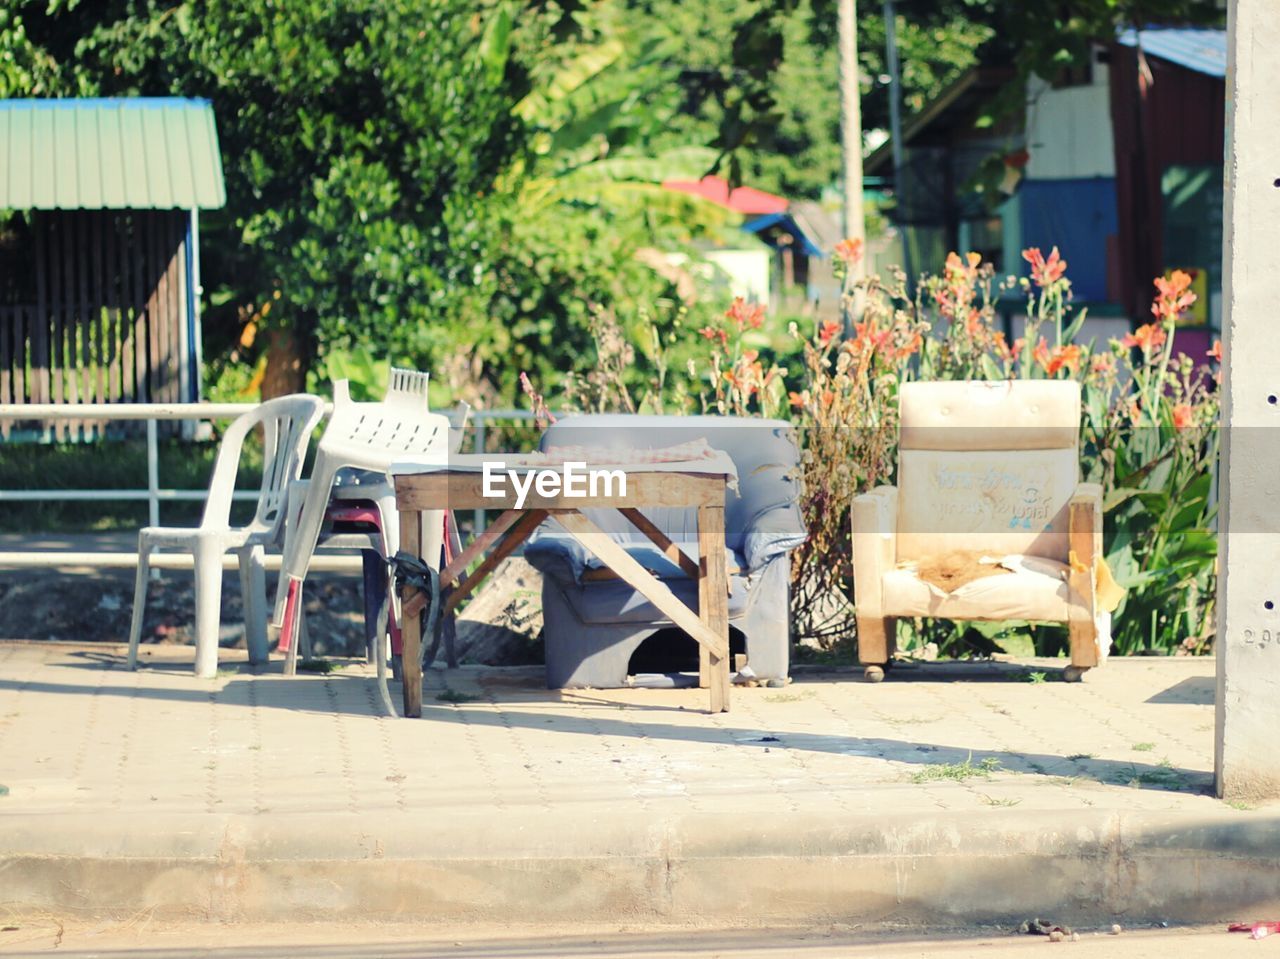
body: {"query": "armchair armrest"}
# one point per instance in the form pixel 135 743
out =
pixel 1085 523
pixel 772 533
pixel 556 554
pixel 874 518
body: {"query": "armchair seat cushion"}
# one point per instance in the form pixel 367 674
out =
pixel 1037 590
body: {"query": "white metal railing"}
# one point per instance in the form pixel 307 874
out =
pixel 154 494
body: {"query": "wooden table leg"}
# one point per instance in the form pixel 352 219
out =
pixel 713 603
pixel 411 628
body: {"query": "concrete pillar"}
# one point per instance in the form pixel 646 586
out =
pixel 1247 757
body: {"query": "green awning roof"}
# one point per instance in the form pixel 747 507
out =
pixel 143 153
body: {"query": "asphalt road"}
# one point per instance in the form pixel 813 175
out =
pixel 141 938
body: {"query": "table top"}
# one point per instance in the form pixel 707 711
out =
pixel 718 464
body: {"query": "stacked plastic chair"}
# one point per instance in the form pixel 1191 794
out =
pixel 366 437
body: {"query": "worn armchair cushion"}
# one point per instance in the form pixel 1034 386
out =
pixel 1038 593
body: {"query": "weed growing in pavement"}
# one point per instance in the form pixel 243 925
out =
pixel 992 801
pixel 957 772
pixel 1143 747
pixel 322 666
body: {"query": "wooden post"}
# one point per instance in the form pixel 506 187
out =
pixel 411 628
pixel 713 603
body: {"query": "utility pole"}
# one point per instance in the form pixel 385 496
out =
pixel 895 132
pixel 852 222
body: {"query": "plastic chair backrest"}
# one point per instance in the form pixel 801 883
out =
pixel 407 388
pixel 286 423
pixel 398 425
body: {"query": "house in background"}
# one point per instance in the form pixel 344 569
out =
pixel 100 274
pixel 1118 162
pixel 784 258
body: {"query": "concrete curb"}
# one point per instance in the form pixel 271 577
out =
pixel 581 867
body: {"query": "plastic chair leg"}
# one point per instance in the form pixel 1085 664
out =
pixel 253 589
pixel 208 570
pixel 301 543
pixel 139 602
pixel 289 626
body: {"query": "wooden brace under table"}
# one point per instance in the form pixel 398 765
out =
pixel 463 490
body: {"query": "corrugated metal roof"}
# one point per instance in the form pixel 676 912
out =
pixel 142 153
pixel 1198 49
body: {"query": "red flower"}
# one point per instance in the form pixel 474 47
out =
pixel 1182 416
pixel 713 333
pixel 1045 272
pixel 745 314
pixel 849 251
pixel 828 331
pixel 1147 337
pixel 868 337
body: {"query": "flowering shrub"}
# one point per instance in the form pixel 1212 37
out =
pixel 1148 434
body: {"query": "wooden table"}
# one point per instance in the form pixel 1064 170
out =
pixel 462 489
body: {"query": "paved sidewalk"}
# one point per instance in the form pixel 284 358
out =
pixel 969 791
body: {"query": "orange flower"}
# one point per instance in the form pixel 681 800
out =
pixel 799 400
pixel 1215 352
pixel 1064 356
pixel 1103 363
pixel 1045 272
pixel 1182 416
pixel 745 314
pixel 1147 337
pixel 828 331
pixel 849 251
pixel 1174 295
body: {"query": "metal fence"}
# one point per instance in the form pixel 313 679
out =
pixel 480 424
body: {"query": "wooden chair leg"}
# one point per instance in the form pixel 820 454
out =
pixel 1082 636
pixel 877 642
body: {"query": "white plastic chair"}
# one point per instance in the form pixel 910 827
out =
pixel 287 423
pixel 368 436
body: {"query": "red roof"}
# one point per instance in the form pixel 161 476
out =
pixel 744 199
